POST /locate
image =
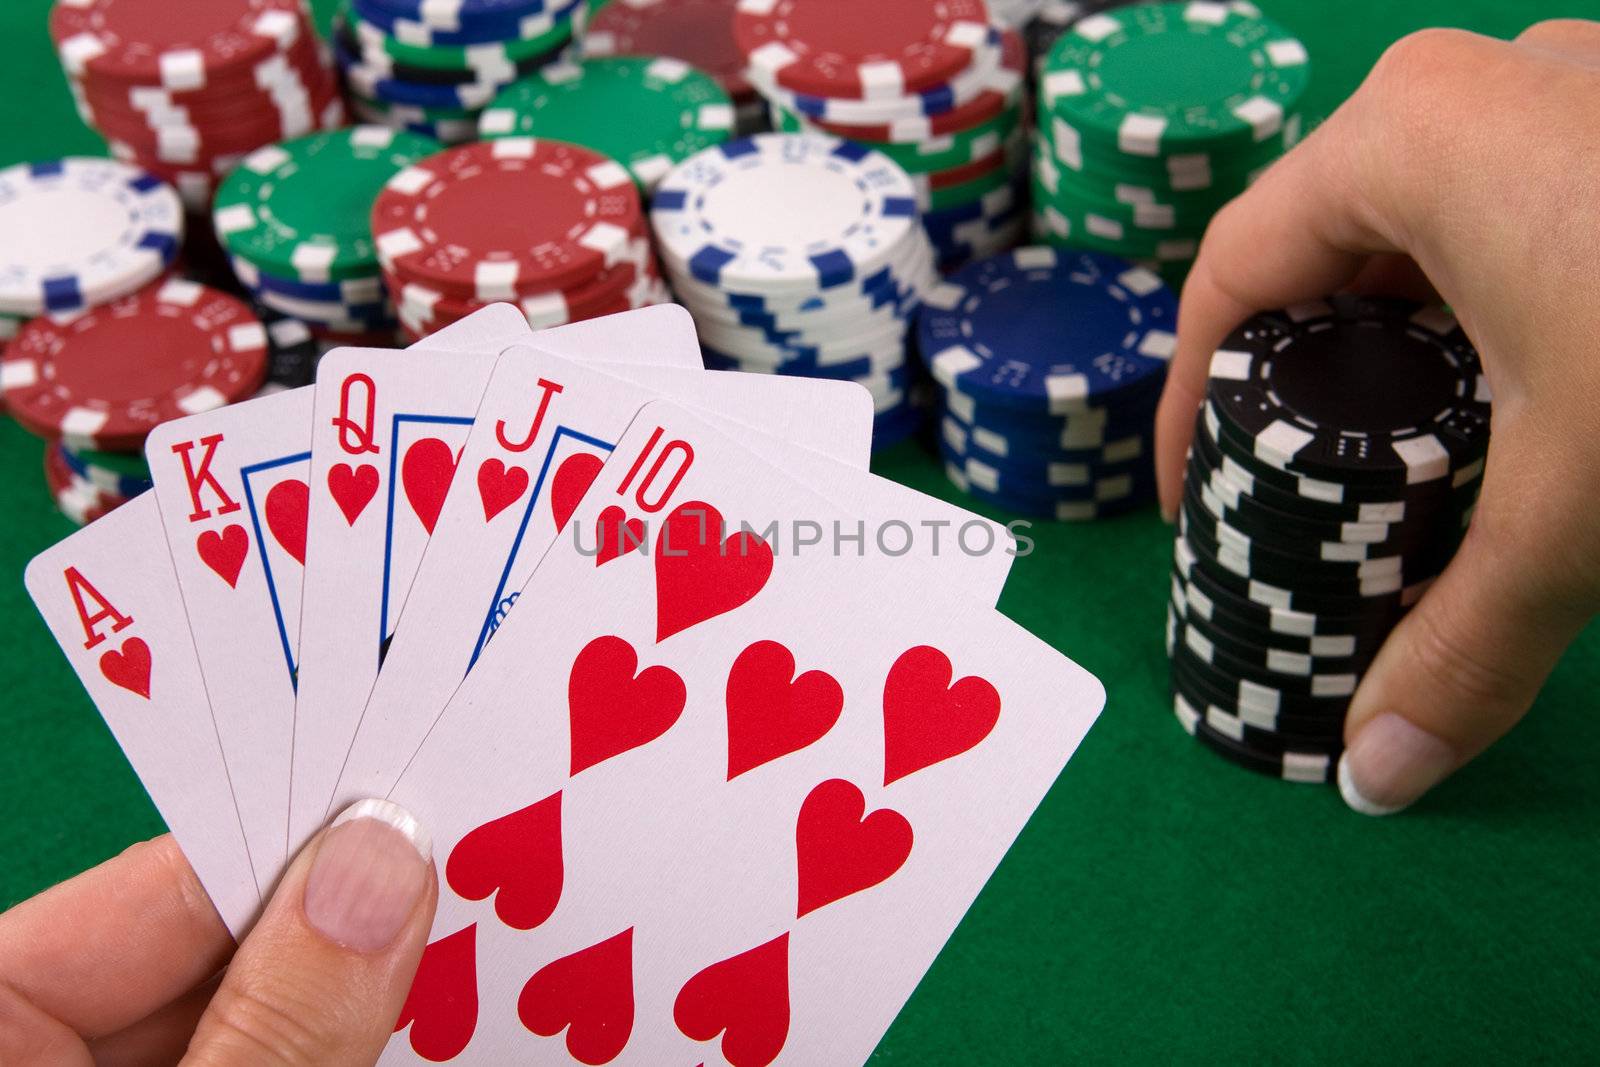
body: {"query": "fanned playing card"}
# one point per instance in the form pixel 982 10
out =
pixel 727 802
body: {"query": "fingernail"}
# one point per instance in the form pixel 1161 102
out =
pixel 370 870
pixel 1391 763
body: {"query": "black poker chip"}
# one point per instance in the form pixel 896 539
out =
pixel 1293 766
pixel 292 351
pixel 1269 655
pixel 1357 390
pixel 1358 639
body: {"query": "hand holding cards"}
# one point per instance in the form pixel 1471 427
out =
pixel 704 787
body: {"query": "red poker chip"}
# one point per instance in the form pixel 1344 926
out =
pixel 699 32
pixel 491 220
pixel 426 303
pixel 632 299
pixel 302 69
pixel 971 172
pixel 170 43
pixel 982 108
pixel 860 51
pixel 104 379
pixel 541 309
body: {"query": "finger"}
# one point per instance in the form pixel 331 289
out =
pixel 322 977
pixel 1297 234
pixel 105 949
pixel 159 1038
pixel 1457 673
pixel 1574 39
pixel 1394 275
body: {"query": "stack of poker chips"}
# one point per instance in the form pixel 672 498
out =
pixel 649 114
pixel 1051 362
pixel 1335 466
pixel 293 219
pixel 446 251
pixel 932 86
pixel 1151 117
pixel 96 382
pixel 698 32
pixel 185 91
pixel 432 68
pixel 800 254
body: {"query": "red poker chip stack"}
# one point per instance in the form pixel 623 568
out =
pixel 101 380
pixel 186 90
pixel 699 32
pixel 936 87
pixel 555 228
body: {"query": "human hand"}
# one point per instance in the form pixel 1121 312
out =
pixel 1457 171
pixel 120 964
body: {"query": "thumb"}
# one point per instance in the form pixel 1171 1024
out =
pixel 1456 674
pixel 322 977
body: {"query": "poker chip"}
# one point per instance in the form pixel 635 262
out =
pixel 79 499
pixel 698 32
pixel 1150 117
pixel 431 68
pixel 106 377
pixel 79 232
pixel 103 478
pixel 1315 515
pixel 584 253
pixel 826 287
pixel 194 88
pixel 648 114
pixel 864 52
pixel 959 138
pixel 1050 365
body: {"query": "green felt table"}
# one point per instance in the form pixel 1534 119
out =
pixel 1162 903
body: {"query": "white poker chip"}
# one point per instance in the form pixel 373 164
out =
pixel 79 232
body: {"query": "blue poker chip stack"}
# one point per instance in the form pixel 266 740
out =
pixel 1051 363
pixel 432 67
pixel 800 254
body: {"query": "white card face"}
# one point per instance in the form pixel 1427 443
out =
pixel 494 531
pixel 728 802
pixel 110 597
pixel 231 487
pixel 389 430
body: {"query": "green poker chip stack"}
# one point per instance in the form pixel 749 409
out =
pixel 294 219
pixel 1151 117
pixel 647 113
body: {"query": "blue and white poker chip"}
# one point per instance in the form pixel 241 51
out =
pixel 1048 330
pixel 783 213
pixel 375 83
pixel 455 14
pixel 109 481
pixel 353 291
pixel 78 232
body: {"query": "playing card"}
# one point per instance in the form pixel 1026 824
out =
pixel 493 531
pixel 110 597
pixel 727 801
pixel 387 435
pixel 233 488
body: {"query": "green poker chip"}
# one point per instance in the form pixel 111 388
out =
pixel 1151 80
pixel 967 192
pixel 300 210
pixel 373 39
pixel 647 113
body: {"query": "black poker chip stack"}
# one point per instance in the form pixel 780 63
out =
pixel 1335 466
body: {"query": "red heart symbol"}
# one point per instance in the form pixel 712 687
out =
pixel 699 577
pixel 616 535
pixel 746 999
pixel 612 711
pixel 499 486
pixel 442 1006
pixel 518 858
pixel 838 852
pixel 573 479
pixel 128 667
pixel 426 473
pixel 770 716
pixel 353 489
pixel 589 994
pixel 286 508
pixel 925 718
pixel 224 552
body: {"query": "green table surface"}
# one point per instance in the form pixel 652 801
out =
pixel 1162 903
